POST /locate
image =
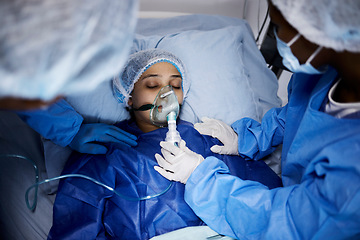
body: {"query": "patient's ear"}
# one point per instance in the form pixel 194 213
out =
pixel 130 103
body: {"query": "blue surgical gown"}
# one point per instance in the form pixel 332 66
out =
pixel 320 173
pixel 58 123
pixel 84 210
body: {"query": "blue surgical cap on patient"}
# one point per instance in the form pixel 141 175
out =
pixel 329 23
pixel 137 64
pixel 62 47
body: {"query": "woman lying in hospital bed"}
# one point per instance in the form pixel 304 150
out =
pixel 148 204
pixel 229 81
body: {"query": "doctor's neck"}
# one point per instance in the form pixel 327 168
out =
pixel 348 66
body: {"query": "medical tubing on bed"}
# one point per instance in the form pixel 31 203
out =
pixel 100 184
pixel 32 208
pixel 37 183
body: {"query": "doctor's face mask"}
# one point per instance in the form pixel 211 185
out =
pixel 290 61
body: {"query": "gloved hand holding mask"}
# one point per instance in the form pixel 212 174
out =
pixel 223 132
pixel 177 163
pixel 90 137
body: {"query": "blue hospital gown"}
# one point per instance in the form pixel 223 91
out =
pixel 320 173
pixel 84 210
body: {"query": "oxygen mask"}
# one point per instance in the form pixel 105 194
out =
pixel 165 111
pixel 165 103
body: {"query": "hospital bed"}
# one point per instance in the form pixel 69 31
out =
pixel 230 80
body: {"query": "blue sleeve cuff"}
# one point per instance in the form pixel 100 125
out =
pixel 58 123
pixel 208 167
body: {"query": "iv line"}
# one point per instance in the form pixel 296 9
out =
pixel 37 183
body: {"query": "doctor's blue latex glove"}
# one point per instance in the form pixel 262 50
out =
pixel 177 163
pixel 220 130
pixel 90 137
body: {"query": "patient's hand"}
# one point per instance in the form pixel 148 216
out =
pixel 223 132
pixel 90 137
pixel 177 163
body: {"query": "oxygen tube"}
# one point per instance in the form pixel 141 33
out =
pixel 35 186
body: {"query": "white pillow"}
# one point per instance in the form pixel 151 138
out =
pixel 99 105
pixel 229 77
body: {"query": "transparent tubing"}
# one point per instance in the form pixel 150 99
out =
pixel 37 183
pixel 100 184
pixel 172 135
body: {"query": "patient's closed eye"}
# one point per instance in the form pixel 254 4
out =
pixel 176 83
pixel 152 86
pixel 151 81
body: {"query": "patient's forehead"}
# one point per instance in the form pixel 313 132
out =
pixel 160 69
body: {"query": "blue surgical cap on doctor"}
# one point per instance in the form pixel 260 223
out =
pixel 137 64
pixel 329 23
pixel 62 47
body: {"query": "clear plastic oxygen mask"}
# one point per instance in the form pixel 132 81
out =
pixel 165 111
